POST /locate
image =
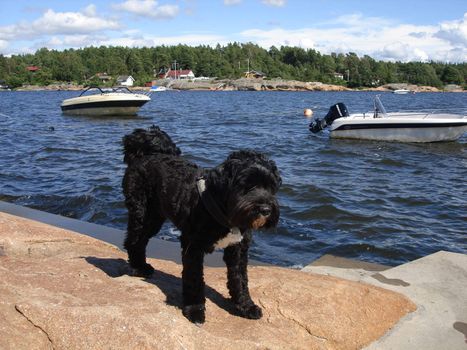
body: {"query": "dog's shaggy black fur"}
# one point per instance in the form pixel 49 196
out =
pixel 239 194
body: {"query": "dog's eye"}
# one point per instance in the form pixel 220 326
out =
pixel 251 189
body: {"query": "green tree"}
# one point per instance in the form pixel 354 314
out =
pixel 451 75
pixel 351 64
pixel 224 61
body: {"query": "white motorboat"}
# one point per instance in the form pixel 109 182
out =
pixel 399 126
pixel 95 101
pixel 158 88
pixel 401 91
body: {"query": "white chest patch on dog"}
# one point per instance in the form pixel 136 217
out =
pixel 233 237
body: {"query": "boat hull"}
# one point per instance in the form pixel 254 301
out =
pixel 384 129
pixel 401 92
pixel 378 125
pixel 402 135
pixel 104 104
pixel 103 111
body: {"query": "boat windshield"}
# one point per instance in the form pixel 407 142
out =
pixel 96 89
pixel 380 111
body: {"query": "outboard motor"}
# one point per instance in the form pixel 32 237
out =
pixel 336 111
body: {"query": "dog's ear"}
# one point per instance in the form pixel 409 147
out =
pixel 143 142
pixel 275 174
pixel 238 161
pixel 258 163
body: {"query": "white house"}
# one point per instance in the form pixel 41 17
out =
pixel 125 80
pixel 338 76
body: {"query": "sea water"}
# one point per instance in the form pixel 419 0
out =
pixel 376 201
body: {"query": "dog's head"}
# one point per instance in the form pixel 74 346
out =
pixel 142 142
pixel 251 181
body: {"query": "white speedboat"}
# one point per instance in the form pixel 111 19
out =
pixel 401 91
pixel 158 88
pixel 95 101
pixel 400 126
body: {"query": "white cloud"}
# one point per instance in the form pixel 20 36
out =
pixel 55 29
pixel 277 3
pixel 147 40
pixel 130 38
pixel 148 8
pixel 357 23
pixel 455 32
pixel 3 44
pixel 377 37
pixel 457 54
pixel 72 22
pixel 398 51
pixel 90 10
pixel 75 41
pixel 52 22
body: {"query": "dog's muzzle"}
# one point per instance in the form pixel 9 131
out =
pixel 264 212
pixel 259 222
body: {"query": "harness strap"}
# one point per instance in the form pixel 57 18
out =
pixel 211 205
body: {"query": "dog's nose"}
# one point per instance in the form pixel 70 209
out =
pixel 265 210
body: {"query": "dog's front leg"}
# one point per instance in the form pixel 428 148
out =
pixel 236 259
pixel 193 283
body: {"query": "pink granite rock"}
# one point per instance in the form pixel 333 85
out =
pixel 63 290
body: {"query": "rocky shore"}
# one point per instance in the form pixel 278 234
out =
pixel 64 290
pixel 254 85
pixel 288 85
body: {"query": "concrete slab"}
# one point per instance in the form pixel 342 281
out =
pixel 353 270
pixel 437 284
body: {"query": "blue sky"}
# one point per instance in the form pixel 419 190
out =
pixel 395 30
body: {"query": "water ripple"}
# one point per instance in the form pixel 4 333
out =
pixel 380 202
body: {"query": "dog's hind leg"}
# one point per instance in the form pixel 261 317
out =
pixel 236 259
pixel 142 225
pixel 193 282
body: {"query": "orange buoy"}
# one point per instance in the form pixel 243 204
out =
pixel 307 112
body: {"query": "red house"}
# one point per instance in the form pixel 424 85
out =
pixel 32 68
pixel 177 74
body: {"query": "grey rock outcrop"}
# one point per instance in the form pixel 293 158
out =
pixel 249 84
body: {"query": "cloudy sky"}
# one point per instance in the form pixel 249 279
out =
pixel 395 30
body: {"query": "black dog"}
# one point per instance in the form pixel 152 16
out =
pixel 213 208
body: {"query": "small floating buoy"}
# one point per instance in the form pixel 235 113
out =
pixel 308 112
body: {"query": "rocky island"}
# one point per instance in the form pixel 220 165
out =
pixel 249 84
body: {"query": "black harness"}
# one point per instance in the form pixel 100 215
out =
pixel 215 209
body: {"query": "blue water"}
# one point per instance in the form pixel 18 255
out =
pixel 376 201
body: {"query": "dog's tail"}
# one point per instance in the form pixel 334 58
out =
pixel 142 142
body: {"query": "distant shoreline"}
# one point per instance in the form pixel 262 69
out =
pixel 252 85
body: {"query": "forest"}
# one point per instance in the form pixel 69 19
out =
pixel 79 66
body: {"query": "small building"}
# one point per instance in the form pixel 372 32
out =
pixel 337 75
pixel 102 77
pixel 32 69
pixel 177 74
pixel 254 74
pixel 125 80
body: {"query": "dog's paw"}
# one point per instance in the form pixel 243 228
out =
pixel 195 313
pixel 250 311
pixel 145 270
